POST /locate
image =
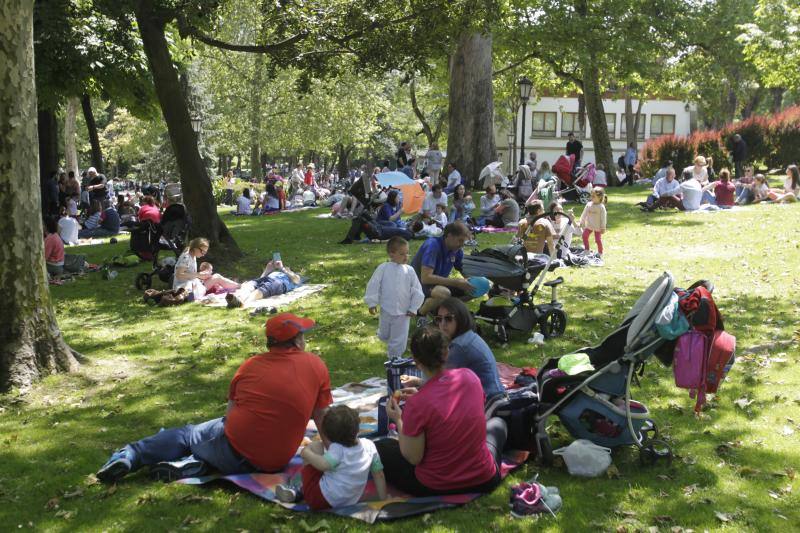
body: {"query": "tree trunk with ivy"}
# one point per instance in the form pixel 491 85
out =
pixel 597 115
pixel 255 116
pixel 31 344
pixel 94 139
pixel 470 145
pixel 195 182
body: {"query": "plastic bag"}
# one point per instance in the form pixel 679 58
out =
pixel 585 458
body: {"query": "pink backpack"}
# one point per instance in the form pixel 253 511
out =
pixel 689 365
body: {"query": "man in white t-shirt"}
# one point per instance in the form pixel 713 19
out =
pixel 436 196
pixel 453 178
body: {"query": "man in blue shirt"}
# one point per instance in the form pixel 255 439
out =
pixel 630 161
pixel 434 262
pixel 666 193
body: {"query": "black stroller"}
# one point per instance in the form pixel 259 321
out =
pixel 148 239
pixel 596 404
pixel 510 271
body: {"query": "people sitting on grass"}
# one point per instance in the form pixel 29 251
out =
pixel 56 261
pixel 666 193
pixel 336 475
pixel 425 228
pixel 505 212
pixel 258 432
pixel 453 178
pixel 434 262
pixel 109 223
pixel 68 228
pixel 720 193
pixel 791 187
pixel 276 279
pixel 445 445
pixel 488 202
pixel 536 231
pixel 243 203
pixel 436 196
pixel 755 193
pixel 691 191
pixel 699 170
pixel 744 182
pixel 462 205
pixel 390 212
pixel 467 349
pixel 196 282
pixel 148 210
pixel 523 184
pixel 440 216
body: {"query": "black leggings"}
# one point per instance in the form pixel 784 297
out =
pixel 401 474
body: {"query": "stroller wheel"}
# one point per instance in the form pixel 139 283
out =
pixel 653 451
pixel 553 323
pixel 143 281
pixel 584 197
pixel 545 450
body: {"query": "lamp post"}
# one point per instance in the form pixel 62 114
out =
pixel 525 88
pixel 510 137
pixel 197 122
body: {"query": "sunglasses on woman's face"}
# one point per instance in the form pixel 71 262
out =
pixel 438 319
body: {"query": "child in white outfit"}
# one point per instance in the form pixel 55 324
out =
pixel 395 287
pixel 337 476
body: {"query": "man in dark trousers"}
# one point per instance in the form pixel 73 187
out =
pixel 739 155
pixel 574 147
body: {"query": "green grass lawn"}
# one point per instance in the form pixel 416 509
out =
pixel 148 368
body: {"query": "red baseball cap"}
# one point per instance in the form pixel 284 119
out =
pixel 285 326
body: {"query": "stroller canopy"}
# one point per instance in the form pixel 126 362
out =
pixel 643 314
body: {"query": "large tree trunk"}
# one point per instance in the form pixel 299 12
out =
pixel 70 150
pixel 255 116
pixel 597 115
pixel 31 344
pixel 94 139
pixel 470 145
pixel 777 99
pixel 632 121
pixel 752 103
pixel 195 183
pixel 48 143
pixel 343 160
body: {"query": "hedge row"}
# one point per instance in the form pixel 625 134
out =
pixel 772 142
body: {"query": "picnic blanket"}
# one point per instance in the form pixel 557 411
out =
pixel 492 229
pixel 362 397
pixel 218 300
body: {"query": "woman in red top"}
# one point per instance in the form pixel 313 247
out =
pixel 445 445
pixel 724 190
pixel 148 210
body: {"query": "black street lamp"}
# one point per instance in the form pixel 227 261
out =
pixel 525 88
pixel 510 137
pixel 197 122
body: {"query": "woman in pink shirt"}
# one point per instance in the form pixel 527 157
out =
pixel 148 210
pixel 53 248
pixel 445 445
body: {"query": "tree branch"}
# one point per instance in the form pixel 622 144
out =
pixel 513 65
pixel 426 128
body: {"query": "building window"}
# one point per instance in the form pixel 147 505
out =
pixel 662 125
pixel 544 124
pixel 611 124
pixel 569 123
pixel 623 129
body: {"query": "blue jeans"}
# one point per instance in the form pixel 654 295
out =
pixel 206 441
pixel 708 198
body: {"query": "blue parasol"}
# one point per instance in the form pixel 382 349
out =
pixel 393 179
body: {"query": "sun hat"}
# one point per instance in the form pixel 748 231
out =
pixel 311 165
pixel 480 286
pixel 575 363
pixel 285 326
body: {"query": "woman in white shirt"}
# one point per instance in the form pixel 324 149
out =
pixel 243 203
pixel 195 282
pixel 699 170
pixel 791 187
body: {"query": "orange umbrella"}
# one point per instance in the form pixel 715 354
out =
pixel 413 196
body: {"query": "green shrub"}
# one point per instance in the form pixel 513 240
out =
pixel 755 132
pixel 784 137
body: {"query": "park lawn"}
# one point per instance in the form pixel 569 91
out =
pixel 147 368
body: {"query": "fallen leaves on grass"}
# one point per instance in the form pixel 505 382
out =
pixel 743 403
pixel 52 503
pixel 322 525
pixel 787 431
pixel 66 515
pixel 613 472
pixel 77 493
pixel 194 498
pixel 189 521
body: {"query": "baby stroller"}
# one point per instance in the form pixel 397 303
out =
pixel 148 239
pixel 596 404
pixel 510 270
pixel 575 187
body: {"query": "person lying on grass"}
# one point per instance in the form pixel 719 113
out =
pixel 274 280
pixel 336 475
pixel 198 282
pixel 258 433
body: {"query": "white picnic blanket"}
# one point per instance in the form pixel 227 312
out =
pixel 218 300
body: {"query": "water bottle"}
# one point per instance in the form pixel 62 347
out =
pixel 392 434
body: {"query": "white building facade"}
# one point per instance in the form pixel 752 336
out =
pixel 549 121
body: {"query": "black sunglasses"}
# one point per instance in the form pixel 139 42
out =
pixel 438 319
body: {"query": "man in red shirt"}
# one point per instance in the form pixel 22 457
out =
pixel 270 401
